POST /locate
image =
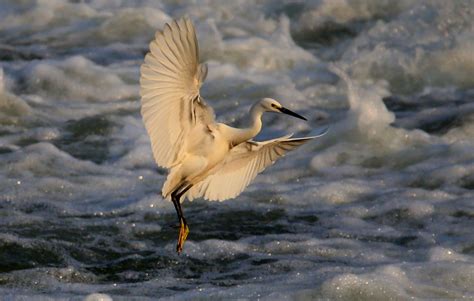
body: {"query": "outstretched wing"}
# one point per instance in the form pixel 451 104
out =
pixel 169 86
pixel 244 162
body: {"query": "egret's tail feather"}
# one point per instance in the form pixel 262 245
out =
pixel 171 183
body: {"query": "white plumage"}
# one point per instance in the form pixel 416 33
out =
pixel 205 159
pixel 170 81
pixel 241 165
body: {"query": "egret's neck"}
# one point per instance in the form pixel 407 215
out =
pixel 253 128
pixel 255 124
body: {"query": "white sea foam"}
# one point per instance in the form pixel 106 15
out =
pixel 77 78
pixel 98 297
pixel 379 208
pixel 425 44
pixel 12 107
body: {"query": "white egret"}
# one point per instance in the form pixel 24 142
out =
pixel 205 158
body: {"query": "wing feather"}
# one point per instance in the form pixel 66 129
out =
pixel 242 165
pixel 169 86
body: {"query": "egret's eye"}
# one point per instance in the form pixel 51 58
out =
pixel 273 105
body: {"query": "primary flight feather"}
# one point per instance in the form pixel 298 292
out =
pixel 205 158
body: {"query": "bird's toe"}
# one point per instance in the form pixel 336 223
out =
pixel 183 235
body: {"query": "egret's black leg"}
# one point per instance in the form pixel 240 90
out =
pixel 183 229
pixel 176 197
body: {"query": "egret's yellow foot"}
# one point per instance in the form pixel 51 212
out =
pixel 183 234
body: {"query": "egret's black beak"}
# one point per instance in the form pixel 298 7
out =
pixel 291 113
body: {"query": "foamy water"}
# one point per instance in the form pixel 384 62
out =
pixel 382 207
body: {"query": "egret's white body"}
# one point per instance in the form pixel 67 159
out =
pixel 205 158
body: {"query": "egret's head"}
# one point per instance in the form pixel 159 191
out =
pixel 271 105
